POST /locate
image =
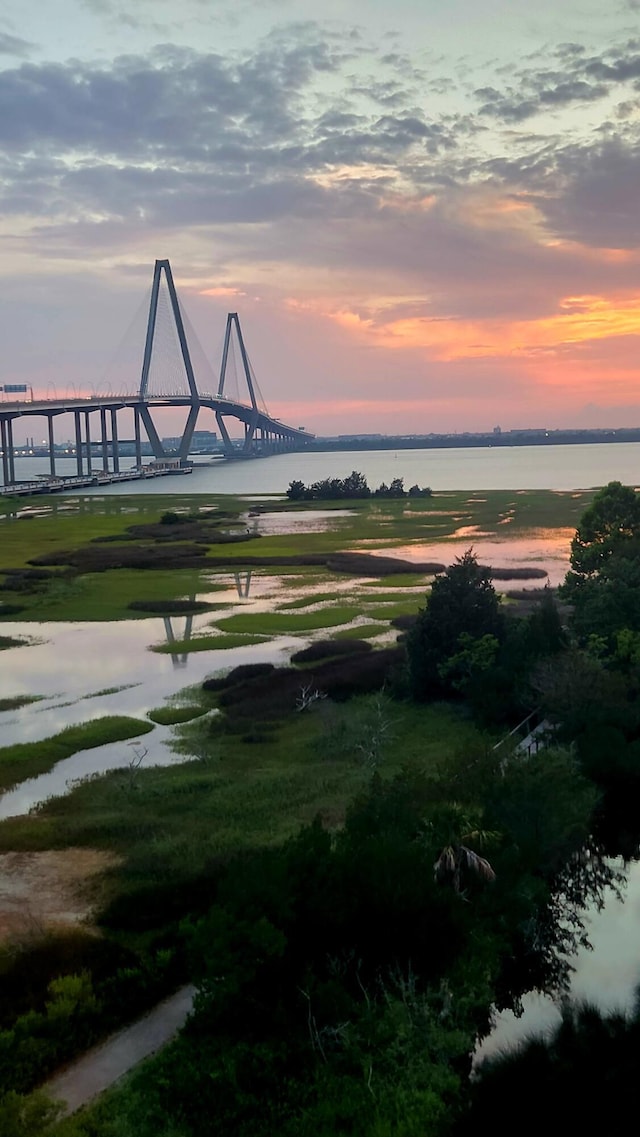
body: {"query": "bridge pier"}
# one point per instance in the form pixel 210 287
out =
pixel 5 452
pixel 103 439
pixel 78 427
pixel 87 435
pixel 136 434
pixel 114 440
pixel 52 446
pixel 11 452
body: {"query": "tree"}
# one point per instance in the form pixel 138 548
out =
pixel 463 607
pixel 608 525
pixel 296 491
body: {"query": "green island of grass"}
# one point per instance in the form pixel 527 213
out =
pixel 27 759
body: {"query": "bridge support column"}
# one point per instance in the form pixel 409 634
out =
pixel 114 441
pixel 103 439
pixel 11 453
pixel 152 434
pixel 249 432
pixel 136 434
pixel 78 426
pixel 187 436
pixel 87 434
pixel 5 452
pixel 52 446
pixel 228 445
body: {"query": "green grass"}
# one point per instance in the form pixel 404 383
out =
pixel 73 522
pixel 307 601
pixel 7 642
pixel 14 703
pixel 400 580
pixel 171 716
pixel 237 795
pixel 359 632
pixel 280 623
pixel 390 611
pixel 208 643
pixel 27 759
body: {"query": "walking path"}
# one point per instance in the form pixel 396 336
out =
pixel 99 1068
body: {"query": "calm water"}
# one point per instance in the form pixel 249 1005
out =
pixel 478 468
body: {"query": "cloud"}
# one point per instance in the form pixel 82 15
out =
pixel 15 45
pixel 571 77
pixel 385 217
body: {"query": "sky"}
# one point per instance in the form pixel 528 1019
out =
pixel 426 213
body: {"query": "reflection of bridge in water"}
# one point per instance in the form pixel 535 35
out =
pixel 180 658
pixel 167 380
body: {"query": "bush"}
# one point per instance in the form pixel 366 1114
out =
pixel 327 649
pixel 10 609
pixel 240 674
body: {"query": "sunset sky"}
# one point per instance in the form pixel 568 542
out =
pixel 426 212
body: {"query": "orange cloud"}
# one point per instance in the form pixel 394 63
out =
pixel 580 320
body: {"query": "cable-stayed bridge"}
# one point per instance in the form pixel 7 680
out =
pixel 167 379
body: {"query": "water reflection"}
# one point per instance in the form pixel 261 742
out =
pixel 591 951
pixel 243 583
pixel 179 659
pixel 548 549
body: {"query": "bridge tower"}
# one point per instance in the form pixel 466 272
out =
pixel 233 322
pixel 164 267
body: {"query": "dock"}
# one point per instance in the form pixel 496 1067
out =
pixel 89 481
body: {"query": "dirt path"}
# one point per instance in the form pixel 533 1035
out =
pixel 53 889
pixel 99 1068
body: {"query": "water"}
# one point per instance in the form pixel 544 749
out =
pixel 605 974
pixel 481 468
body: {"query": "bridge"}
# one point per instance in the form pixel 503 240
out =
pixel 262 434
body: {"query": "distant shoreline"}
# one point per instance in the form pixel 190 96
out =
pixel 503 439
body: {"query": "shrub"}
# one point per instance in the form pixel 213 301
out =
pixel 327 649
pixel 11 609
pixel 238 675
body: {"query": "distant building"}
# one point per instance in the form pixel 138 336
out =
pixel 204 440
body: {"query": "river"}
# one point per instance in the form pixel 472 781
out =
pixel 464 468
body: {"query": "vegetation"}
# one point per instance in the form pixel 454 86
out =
pixel 587 1049
pixel 26 759
pixel 353 487
pixel 7 642
pixel 170 716
pixel 91 535
pixel 14 702
pixel 349 868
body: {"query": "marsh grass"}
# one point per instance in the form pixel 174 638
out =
pixel 7 642
pixel 182 821
pixel 74 523
pixel 359 632
pixel 171 716
pixel 280 623
pixel 13 703
pixel 221 642
pixel 26 759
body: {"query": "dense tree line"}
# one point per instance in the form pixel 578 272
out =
pixel 354 486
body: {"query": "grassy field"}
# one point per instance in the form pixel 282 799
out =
pixel 75 523
pixel 26 759
pixel 170 823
